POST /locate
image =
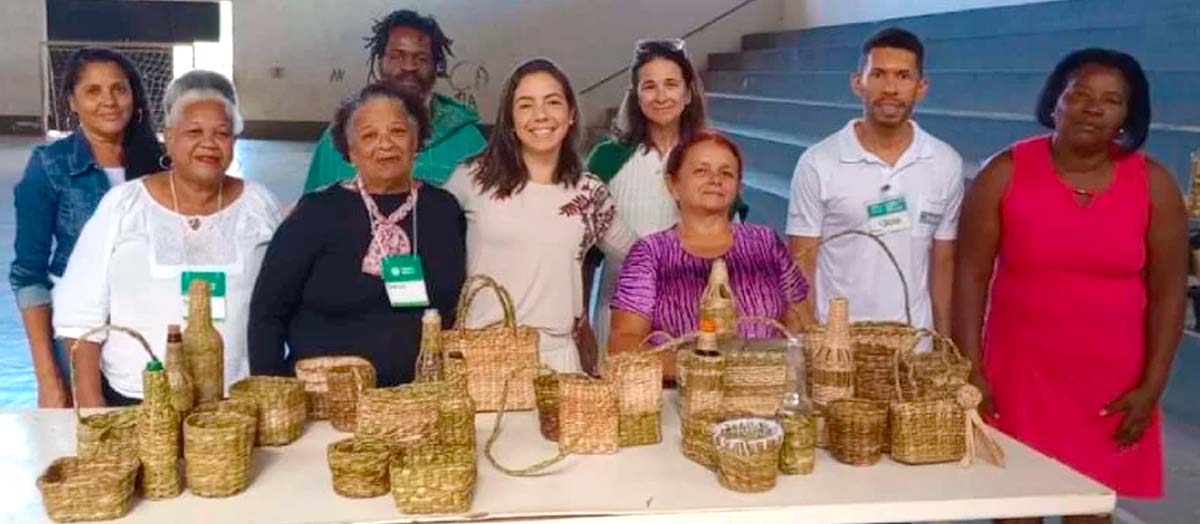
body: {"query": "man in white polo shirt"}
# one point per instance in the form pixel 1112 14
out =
pixel 880 174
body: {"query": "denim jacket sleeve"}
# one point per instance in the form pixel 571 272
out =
pixel 36 202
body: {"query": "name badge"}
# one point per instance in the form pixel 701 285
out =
pixel 404 279
pixel 888 215
pixel 216 283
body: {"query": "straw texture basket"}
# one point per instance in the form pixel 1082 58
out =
pixel 545 388
pixel 158 439
pixel 797 455
pixel 939 373
pixel 925 431
pixel 493 353
pixel 216 447
pixel 588 415
pixel 313 374
pixel 76 490
pixel 830 368
pixel 246 408
pixel 876 345
pixel 857 431
pixel 404 416
pixel 359 467
pixel 697 438
pixel 638 377
pixel 456 418
pixel 748 453
pixel 281 407
pixel 433 479
pixel 701 381
pixel 345 384
pixel 755 380
pixel 718 302
pixel 112 433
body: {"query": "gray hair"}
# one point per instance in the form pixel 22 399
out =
pixel 201 86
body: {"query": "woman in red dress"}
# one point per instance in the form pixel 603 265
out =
pixel 1071 279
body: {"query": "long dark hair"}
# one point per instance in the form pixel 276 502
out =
pixel 141 148
pixel 631 124
pixel 1137 116
pixel 500 165
pixel 381 30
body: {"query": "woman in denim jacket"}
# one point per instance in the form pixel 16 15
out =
pixel 62 185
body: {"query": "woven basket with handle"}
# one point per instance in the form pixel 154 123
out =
pixel 313 373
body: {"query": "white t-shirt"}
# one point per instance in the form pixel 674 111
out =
pixel 116 176
pixel 833 183
pixel 126 268
pixel 533 244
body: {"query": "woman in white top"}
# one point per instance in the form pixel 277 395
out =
pixel 533 213
pixel 193 218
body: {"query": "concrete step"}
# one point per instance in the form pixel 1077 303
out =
pixel 1007 20
pixel 976 135
pixel 1165 47
pixel 975 90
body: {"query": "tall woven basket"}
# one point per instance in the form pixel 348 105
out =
pixel 748 453
pixel 359 467
pixel 345 384
pixel 493 353
pixel 638 378
pixel 588 415
pixel 876 345
pixel 75 489
pixel 857 431
pixel 112 433
pixel 701 388
pixel 281 407
pixel 831 366
pixel 925 431
pixel 216 447
pixel 718 302
pixel 433 479
pixel 313 373
pixel 404 416
pixel 456 413
pixel 755 380
pixel 158 434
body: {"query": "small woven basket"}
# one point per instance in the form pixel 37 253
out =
pixel 345 384
pixel 857 431
pixel 433 479
pixel 588 415
pixel 359 467
pixel 404 416
pixel 939 373
pixel 281 407
pixel 246 408
pixel 638 377
pixel 700 385
pixel 545 388
pixel 112 433
pixel 748 453
pixel 875 346
pixel 216 447
pixel 755 379
pixel 697 438
pixel 76 490
pixel 925 431
pixel 798 455
pixel 313 374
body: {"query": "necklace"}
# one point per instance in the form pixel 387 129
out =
pixel 193 221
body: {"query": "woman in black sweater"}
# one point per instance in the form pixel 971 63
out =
pixel 320 291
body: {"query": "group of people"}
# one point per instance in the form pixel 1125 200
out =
pixel 1066 291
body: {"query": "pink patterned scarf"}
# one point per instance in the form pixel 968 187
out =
pixel 387 237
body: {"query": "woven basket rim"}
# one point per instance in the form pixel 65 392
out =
pixel 117 467
pixel 772 430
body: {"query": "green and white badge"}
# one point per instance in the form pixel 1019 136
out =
pixel 216 282
pixel 888 215
pixel 404 279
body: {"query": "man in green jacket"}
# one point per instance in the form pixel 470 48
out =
pixel 410 51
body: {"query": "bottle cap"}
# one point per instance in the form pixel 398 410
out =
pixel 154 365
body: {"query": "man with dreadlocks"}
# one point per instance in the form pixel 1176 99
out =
pixel 410 51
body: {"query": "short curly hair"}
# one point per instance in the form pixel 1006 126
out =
pixel 412 104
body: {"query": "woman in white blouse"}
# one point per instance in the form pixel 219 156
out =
pixel 144 236
pixel 533 213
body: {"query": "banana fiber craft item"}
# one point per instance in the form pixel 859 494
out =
pixel 718 301
pixel 281 407
pixel 404 416
pixel 924 431
pixel 313 373
pixel 359 467
pixel 216 449
pixel 75 489
pixel 748 453
pixel 158 436
pixel 112 433
pixel 493 353
pixel 203 347
pixel 857 430
pixel 343 385
pixel 433 479
pixel 247 409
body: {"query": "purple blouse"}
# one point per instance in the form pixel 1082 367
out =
pixel 662 282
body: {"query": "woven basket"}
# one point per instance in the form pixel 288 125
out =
pixel 697 438
pixel 344 385
pixel 76 490
pixel 545 388
pixel 281 407
pixel 797 456
pixel 216 447
pixel 857 431
pixel 755 380
pixel 939 373
pixel 313 374
pixel 638 376
pixel 404 416
pixel 493 353
pixel 456 419
pixel 158 440
pixel 718 302
pixel 875 346
pixel 588 415
pixel 748 453
pixel 359 467
pixel 243 407
pixel 112 433
pixel 700 381
pixel 925 431
pixel 831 366
pixel 433 479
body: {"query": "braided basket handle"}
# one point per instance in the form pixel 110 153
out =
pixel 471 288
pixel 106 328
pixel 886 250
pixel 949 348
pixel 491 441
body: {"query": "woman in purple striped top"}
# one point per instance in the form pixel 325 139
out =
pixel 665 273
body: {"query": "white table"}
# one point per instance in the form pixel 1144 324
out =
pixel 650 484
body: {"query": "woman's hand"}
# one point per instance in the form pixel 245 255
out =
pixel 53 393
pixel 1138 406
pixel 987 408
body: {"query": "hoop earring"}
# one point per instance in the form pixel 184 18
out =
pixel 164 162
